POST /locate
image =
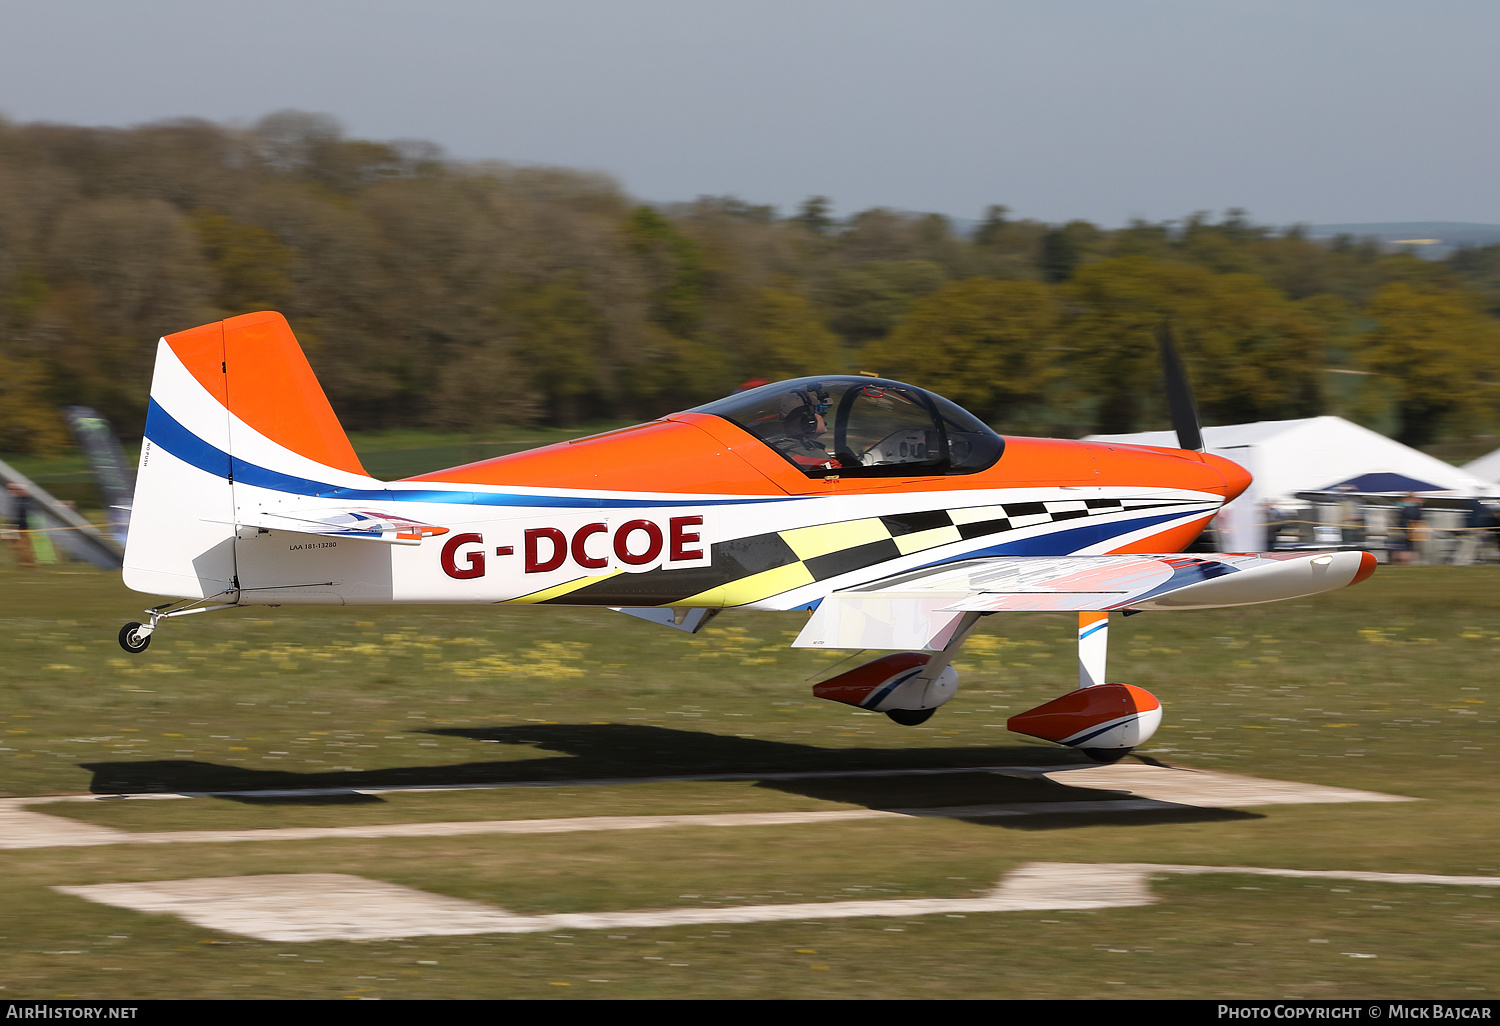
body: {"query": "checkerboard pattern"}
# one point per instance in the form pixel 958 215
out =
pixel 758 566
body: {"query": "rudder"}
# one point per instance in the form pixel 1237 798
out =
pixel 231 399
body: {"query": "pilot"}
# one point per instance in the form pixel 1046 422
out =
pixel 802 421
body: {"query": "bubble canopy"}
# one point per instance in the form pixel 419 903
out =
pixel 862 427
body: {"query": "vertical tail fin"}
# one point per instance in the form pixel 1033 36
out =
pixel 272 391
pixel 231 401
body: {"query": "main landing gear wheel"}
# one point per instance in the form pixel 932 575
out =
pixel 1106 755
pixel 130 641
pixel 910 717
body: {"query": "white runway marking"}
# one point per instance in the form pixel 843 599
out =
pixel 1141 788
pixel 571 824
pixel 336 906
pixel 20 828
pixel 1209 789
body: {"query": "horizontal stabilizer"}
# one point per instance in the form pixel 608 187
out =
pixel 356 524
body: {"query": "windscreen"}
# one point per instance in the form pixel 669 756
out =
pixel 861 427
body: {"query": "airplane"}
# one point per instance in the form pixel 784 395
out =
pixel 890 517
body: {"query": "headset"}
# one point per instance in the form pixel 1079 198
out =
pixel 815 404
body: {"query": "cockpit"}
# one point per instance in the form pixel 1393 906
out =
pixel 861 427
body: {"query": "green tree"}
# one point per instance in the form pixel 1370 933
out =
pixel 558 335
pixel 788 340
pixel 1479 268
pixel 814 215
pixel 990 346
pixel 993 226
pixel 675 265
pixel 866 302
pixel 1064 248
pixel 1440 360
pixel 251 266
pixel 1252 354
pixel 29 420
pixel 123 273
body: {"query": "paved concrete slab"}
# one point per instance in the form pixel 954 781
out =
pixel 337 906
pixel 22 828
pixel 1209 788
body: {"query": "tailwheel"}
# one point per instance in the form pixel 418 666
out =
pixel 132 639
pixel 136 636
pixel 910 717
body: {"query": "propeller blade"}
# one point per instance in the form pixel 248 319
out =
pixel 1179 392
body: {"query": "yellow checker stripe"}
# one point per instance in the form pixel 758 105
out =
pixel 810 542
pixel 806 543
pixel 908 543
pixel 752 588
pixel 559 590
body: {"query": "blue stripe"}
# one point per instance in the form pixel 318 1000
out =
pixel 875 699
pixel 1061 543
pixel 1104 729
pixel 164 430
pixel 1183 576
pixel 1097 627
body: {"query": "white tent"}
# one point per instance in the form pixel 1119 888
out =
pixel 1486 467
pixel 1290 456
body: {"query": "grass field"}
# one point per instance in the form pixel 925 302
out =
pixel 1384 687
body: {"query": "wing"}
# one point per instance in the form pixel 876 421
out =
pixel 921 609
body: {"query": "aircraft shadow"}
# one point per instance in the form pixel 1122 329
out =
pixel 855 776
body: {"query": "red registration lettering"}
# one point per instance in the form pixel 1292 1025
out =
pixel 681 538
pixel 653 543
pixel 534 563
pixel 476 559
pixel 580 553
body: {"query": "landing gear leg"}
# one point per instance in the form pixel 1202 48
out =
pixel 135 636
pixel 906 686
pixel 920 686
pixel 1103 721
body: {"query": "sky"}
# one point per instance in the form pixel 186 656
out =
pixel 1299 111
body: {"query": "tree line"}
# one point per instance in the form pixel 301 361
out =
pixel 454 296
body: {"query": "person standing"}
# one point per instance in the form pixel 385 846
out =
pixel 1413 529
pixel 18 531
pixel 1467 551
pixel 1351 517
